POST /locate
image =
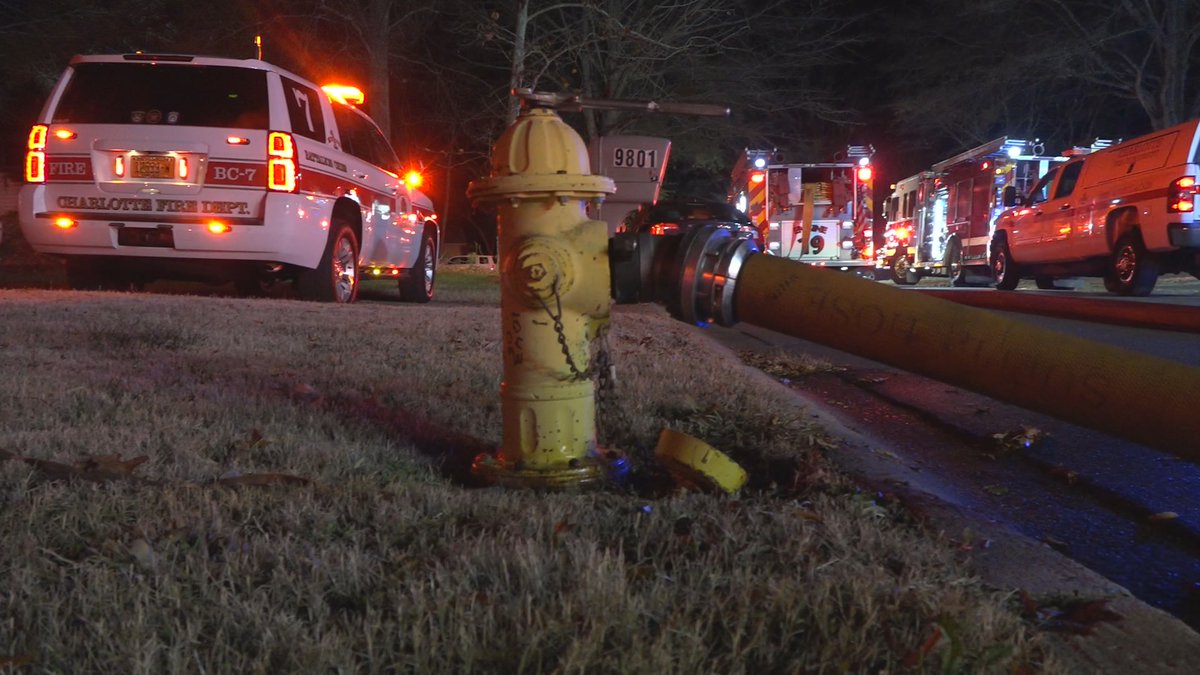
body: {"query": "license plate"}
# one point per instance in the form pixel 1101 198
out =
pixel 152 166
pixel 153 237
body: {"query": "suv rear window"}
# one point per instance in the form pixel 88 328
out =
pixel 156 93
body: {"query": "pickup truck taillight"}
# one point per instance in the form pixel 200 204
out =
pixel 1181 198
pixel 281 162
pixel 35 157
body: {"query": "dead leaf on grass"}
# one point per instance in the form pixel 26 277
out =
pixel 262 480
pixel 917 656
pixel 1163 516
pixel 106 467
pixel 99 468
pixel 306 392
pixel 143 554
pixel 15 661
pixel 562 527
pixel 1080 618
pixel 996 489
pixel 242 448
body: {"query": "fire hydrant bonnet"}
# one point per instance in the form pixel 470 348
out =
pixel 540 155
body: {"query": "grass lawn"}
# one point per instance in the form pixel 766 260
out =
pixel 199 483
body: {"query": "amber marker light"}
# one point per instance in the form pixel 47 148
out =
pixel 64 134
pixel 217 227
pixel 344 93
pixel 237 140
pixel 64 223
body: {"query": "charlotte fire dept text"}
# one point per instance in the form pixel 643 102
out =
pixel 154 205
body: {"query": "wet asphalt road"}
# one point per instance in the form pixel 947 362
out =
pixel 1129 512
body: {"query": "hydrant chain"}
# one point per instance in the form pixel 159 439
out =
pixel 560 332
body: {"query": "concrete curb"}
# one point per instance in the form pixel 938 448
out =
pixel 1145 640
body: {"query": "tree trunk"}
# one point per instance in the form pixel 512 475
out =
pixel 379 99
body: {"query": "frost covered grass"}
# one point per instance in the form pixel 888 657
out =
pixel 304 507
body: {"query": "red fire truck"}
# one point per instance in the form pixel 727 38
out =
pixel 940 221
pixel 815 213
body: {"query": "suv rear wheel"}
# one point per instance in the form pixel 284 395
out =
pixel 1132 270
pixel 335 278
pixel 417 284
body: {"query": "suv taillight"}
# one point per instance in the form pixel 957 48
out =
pixel 35 158
pixel 1181 197
pixel 281 162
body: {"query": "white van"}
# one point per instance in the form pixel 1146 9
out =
pixel 147 166
pixel 1126 213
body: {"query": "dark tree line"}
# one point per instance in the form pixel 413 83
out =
pixel 919 80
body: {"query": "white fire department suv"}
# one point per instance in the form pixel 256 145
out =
pixel 185 167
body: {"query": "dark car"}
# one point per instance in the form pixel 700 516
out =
pixel 677 217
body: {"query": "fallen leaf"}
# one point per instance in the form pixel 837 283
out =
pixel 142 553
pixel 916 657
pixel 996 489
pixel 1056 544
pixel 1080 618
pixel 306 392
pixel 107 467
pixel 1066 475
pixel 1025 437
pixel 1029 608
pixel 262 480
pixel 52 469
pixel 15 661
pixel 1163 516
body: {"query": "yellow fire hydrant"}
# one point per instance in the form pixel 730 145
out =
pixel 554 301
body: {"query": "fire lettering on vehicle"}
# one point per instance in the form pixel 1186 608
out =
pixel 177 206
pixel 71 202
pixel 67 168
pixel 233 208
pixel 106 203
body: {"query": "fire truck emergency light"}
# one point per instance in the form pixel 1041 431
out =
pixel 414 179
pixel 864 174
pixel 757 177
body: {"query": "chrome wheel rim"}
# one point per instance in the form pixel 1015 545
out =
pixel 1126 265
pixel 428 271
pixel 345 270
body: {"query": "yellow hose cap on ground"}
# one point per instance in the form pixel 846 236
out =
pixel 696 463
